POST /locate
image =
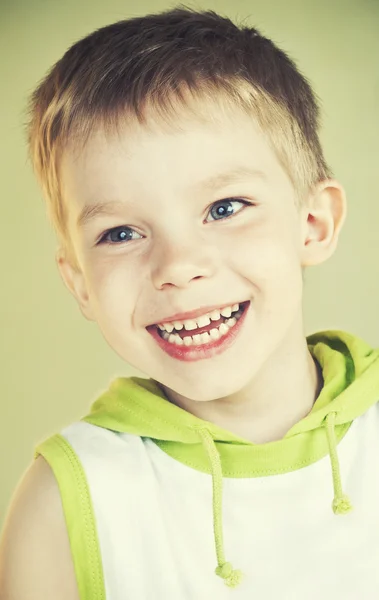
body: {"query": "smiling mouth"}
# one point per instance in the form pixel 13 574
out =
pixel 194 335
pixel 201 343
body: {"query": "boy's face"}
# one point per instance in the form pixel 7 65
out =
pixel 182 251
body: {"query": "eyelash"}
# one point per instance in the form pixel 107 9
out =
pixel 102 240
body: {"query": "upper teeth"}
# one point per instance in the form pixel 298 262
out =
pixel 201 321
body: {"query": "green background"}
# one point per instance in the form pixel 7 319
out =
pixel 54 363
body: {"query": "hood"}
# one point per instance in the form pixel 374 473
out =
pixel 350 370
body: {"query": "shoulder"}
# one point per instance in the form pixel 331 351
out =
pixel 35 556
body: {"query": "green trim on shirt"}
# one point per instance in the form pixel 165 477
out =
pixel 79 515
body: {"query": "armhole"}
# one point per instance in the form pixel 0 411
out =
pixel 78 513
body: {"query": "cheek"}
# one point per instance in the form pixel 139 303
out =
pixel 113 287
pixel 269 260
pixel 269 252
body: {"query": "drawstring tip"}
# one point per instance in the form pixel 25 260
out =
pixel 342 505
pixel 232 577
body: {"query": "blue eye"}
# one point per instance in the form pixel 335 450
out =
pixel 224 208
pixel 219 210
pixel 120 237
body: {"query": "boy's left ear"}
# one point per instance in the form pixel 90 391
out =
pixel 322 220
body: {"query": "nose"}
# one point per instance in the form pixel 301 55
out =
pixel 177 262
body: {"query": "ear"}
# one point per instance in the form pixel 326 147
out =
pixel 322 221
pixel 74 280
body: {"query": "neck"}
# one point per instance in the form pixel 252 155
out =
pixel 279 396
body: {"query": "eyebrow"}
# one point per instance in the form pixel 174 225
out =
pixel 92 211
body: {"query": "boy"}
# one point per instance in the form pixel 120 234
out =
pixel 239 459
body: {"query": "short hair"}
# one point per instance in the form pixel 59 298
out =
pixel 120 70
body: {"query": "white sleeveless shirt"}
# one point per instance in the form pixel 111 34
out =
pixel 154 523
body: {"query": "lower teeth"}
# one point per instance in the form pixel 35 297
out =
pixel 202 338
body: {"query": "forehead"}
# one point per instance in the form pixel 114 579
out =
pixel 179 154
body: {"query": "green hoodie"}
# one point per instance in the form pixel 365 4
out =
pixel 350 370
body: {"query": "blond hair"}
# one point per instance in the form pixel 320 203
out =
pixel 121 69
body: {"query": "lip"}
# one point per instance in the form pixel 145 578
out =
pixel 192 353
pixel 193 314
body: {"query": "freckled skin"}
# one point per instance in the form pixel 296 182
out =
pixel 181 259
